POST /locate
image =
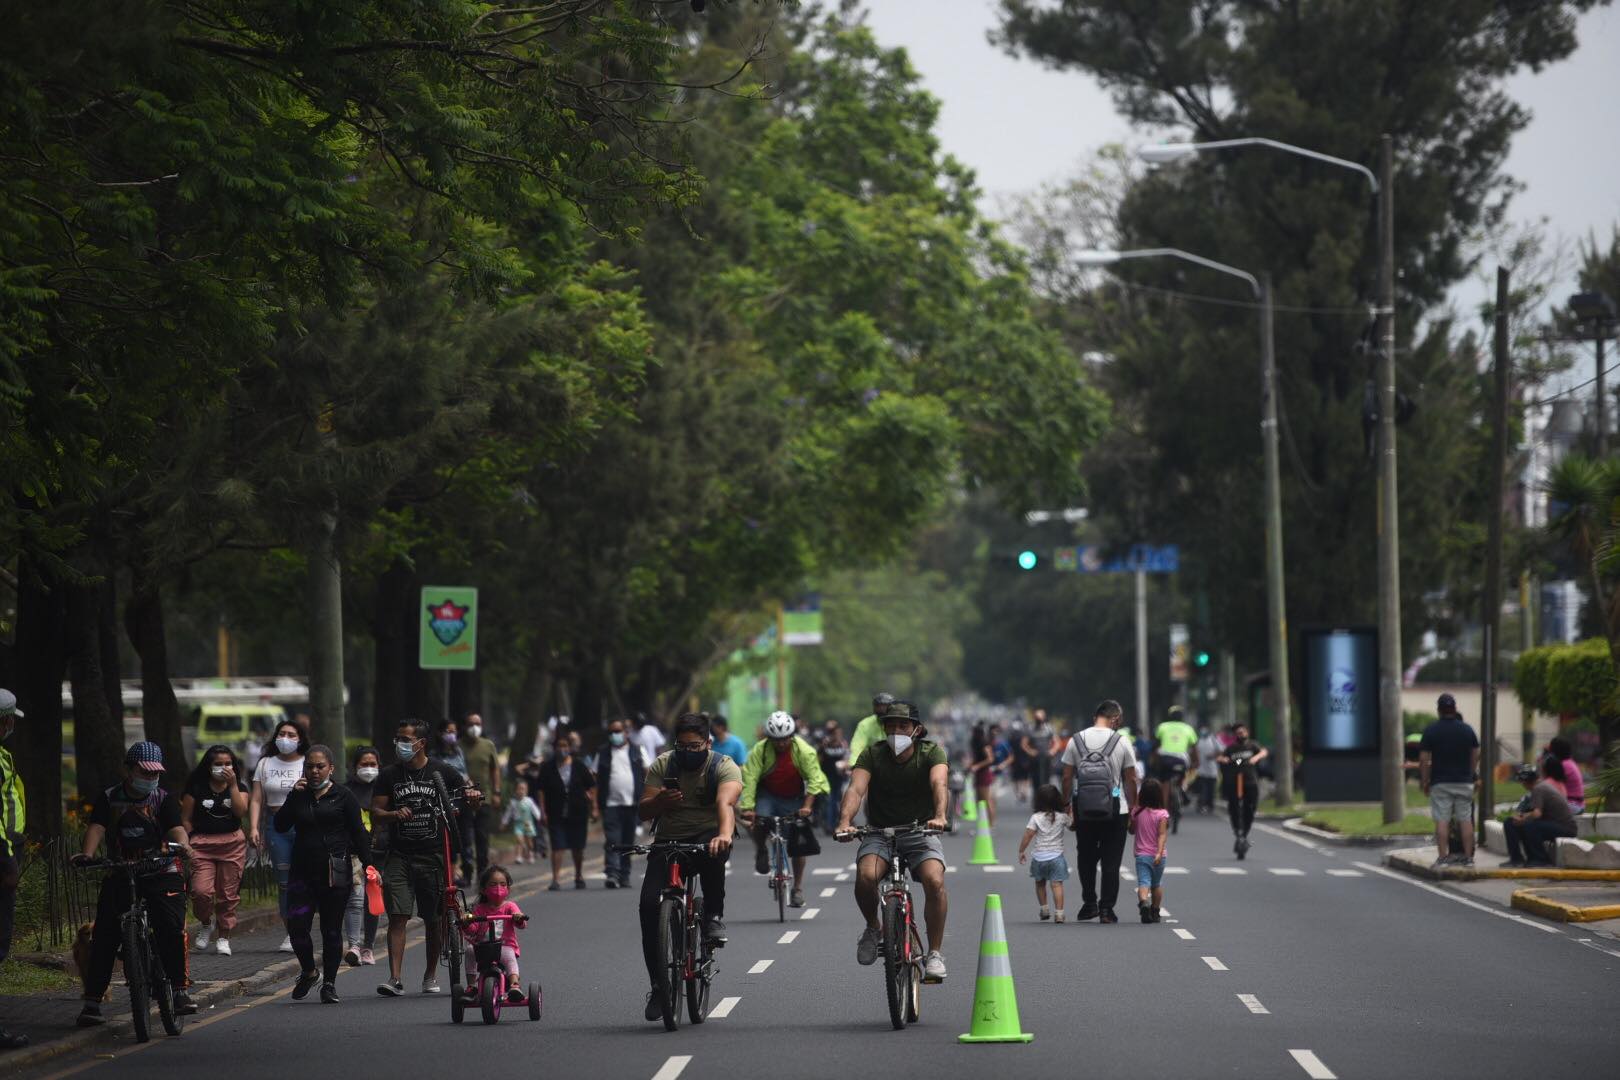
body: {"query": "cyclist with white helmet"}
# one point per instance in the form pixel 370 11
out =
pixel 781 778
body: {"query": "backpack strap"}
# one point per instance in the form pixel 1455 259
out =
pixel 1108 747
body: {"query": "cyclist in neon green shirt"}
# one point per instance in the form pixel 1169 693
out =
pixel 1175 756
pixel 869 730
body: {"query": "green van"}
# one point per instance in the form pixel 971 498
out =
pixel 243 728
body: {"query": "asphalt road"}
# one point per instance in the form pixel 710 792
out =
pixel 1299 962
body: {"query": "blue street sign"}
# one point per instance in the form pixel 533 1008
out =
pixel 1149 558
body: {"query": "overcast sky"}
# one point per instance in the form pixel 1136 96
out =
pixel 1017 123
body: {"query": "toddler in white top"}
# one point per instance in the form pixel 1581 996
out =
pixel 1042 848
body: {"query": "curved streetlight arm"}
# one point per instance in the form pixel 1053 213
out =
pixel 1166 151
pixel 1103 258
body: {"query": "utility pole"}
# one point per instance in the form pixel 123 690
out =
pixel 1228 688
pixel 1492 615
pixel 325 584
pixel 1277 607
pixel 1527 640
pixel 1389 545
pixel 1143 716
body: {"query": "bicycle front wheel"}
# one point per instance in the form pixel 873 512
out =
pixel 779 878
pixel 671 960
pixel 895 968
pixel 163 992
pixel 452 947
pixel 697 987
pixel 137 969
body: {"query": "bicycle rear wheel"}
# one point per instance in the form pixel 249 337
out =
pixel 451 945
pixel 163 992
pixel 914 982
pixel 895 979
pixel 136 971
pixel 779 877
pixel 697 987
pixel 671 960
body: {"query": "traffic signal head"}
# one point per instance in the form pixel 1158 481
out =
pixel 1028 560
pixel 1201 659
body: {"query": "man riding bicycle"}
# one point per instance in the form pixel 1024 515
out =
pixel 1175 753
pixel 690 794
pixel 137 817
pixel 785 774
pixel 903 779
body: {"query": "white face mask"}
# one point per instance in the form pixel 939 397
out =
pixel 366 773
pixel 286 744
pixel 899 743
pixel 219 772
pixel 474 730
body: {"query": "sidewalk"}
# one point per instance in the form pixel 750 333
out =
pixel 1419 861
pixel 256 964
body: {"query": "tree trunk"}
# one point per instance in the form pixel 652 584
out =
pixel 588 697
pixel 41 657
pixel 466 693
pixel 98 732
pixel 534 701
pixel 144 623
pixel 324 589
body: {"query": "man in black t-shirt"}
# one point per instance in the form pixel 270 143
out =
pixel 1240 782
pixel 1448 761
pixel 414 799
pixel 137 817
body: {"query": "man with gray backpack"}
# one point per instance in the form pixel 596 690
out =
pixel 1099 784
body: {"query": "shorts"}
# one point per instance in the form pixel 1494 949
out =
pixel 916 849
pixel 1148 872
pixel 413 884
pixel 567 835
pixel 1049 869
pixel 1452 802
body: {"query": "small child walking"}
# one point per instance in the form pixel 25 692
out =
pixel 1043 842
pixel 522 817
pixel 1150 820
pixel 494 888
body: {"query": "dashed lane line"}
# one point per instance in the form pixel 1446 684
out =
pixel 1235 870
pixel 828 891
pixel 810 913
pixel 1337 872
pixel 673 1067
pixel 759 968
pixel 841 877
pixel 1214 963
pixel 825 870
pixel 998 869
pixel 1287 871
pixel 723 1009
pixel 1464 901
pixel 787 938
pixel 1185 935
pixel 1177 870
pixel 1253 1005
pixel 1313 1065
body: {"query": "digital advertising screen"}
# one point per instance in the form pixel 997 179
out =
pixel 1341 690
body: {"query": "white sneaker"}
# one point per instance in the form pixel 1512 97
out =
pixel 934 968
pixel 204 935
pixel 286 944
pixel 223 946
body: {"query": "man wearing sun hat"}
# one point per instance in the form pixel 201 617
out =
pixel 13 819
pixel 136 817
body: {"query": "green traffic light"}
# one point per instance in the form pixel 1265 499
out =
pixel 1203 659
pixel 1027 560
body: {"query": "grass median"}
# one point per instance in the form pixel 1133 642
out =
pixel 1366 821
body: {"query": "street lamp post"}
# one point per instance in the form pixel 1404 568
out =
pixel 1391 768
pixel 1276 607
pixel 1597 311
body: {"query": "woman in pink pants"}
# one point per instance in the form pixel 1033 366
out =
pixel 211 809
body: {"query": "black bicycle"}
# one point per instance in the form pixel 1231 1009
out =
pixel 901 945
pixel 686 961
pixel 143 970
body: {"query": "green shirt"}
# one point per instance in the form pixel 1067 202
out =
pixel 698 815
pixel 481 763
pixel 867 732
pixel 1177 737
pixel 900 792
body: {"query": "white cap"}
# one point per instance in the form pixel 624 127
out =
pixel 8 704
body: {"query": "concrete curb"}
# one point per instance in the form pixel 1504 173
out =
pixel 1528 900
pixel 1345 839
pixel 1417 862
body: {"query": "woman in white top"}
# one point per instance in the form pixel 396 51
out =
pixel 1046 828
pixel 280 767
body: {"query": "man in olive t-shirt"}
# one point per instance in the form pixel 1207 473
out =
pixel 903 779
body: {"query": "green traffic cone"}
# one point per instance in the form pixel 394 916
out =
pixel 984 845
pixel 995 1003
pixel 970 808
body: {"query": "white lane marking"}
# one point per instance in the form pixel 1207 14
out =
pixel 1287 834
pixel 724 1008
pixel 1184 935
pixel 1177 870
pixel 810 913
pixel 1287 871
pixel 672 1068
pixel 1336 872
pixel 825 870
pixel 998 869
pixel 759 968
pixel 1170 920
pixel 950 869
pixel 1591 944
pixel 1464 901
pixel 841 877
pixel 787 938
pixel 1165 912
pixel 1254 1005
pixel 1313 1065
pixel 1227 870
pixel 828 891
pixel 851 866
pixel 1214 963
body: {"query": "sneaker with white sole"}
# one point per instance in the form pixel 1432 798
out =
pixel 223 946
pixel 366 957
pixel 934 968
pixel 430 985
pixel 205 934
pixel 866 949
pixel 286 944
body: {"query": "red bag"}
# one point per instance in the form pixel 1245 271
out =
pixel 374 900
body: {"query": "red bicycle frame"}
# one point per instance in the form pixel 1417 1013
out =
pixel 677 881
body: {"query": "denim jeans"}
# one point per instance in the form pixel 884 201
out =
pixel 281 848
pixel 619 826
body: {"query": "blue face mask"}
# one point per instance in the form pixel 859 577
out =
pixel 691 760
pixel 616 738
pixel 143 785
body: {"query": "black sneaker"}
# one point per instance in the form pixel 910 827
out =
pixel 90 1015
pixel 183 1005
pixel 762 861
pixel 1156 913
pixel 579 883
pixel 329 993
pixel 714 931
pixel 611 883
pixel 8 1041
pixel 306 982
pixel 1087 911
pixel 1107 916
pixel 391 988
pixel 1146 911
pixel 653 1011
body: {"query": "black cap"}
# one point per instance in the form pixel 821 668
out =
pixel 1447 703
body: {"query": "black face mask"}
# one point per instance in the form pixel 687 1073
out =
pixel 690 759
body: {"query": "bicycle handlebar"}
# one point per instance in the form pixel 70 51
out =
pixel 916 828
pixel 667 847
pixel 170 852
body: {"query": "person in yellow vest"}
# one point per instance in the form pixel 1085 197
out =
pixel 870 729
pixel 13 819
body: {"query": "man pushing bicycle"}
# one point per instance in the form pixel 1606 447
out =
pixel 903 779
